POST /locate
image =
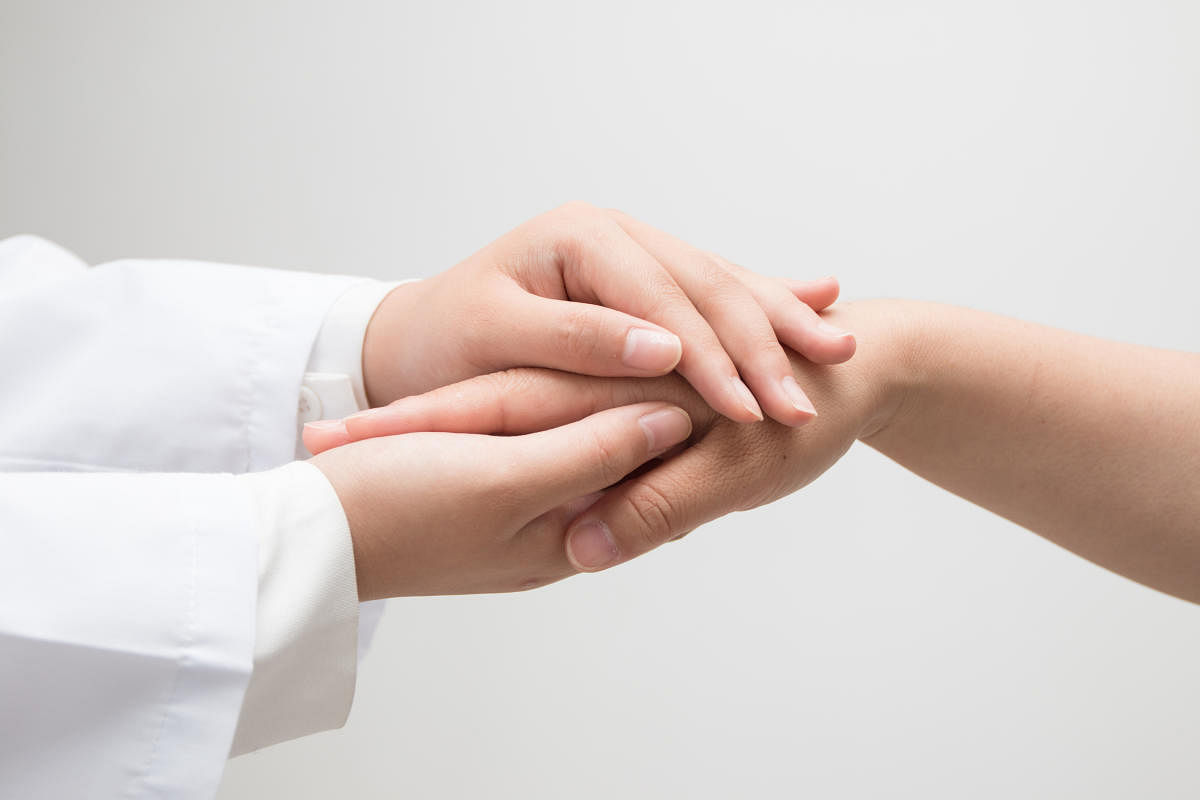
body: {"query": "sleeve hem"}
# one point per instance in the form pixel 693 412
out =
pixel 305 652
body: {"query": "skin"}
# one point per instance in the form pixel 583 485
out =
pixel 1094 445
pixel 567 289
pixel 447 513
pixel 591 291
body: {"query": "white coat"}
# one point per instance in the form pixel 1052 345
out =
pixel 129 393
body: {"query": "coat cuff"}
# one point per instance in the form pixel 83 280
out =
pixel 305 652
pixel 339 344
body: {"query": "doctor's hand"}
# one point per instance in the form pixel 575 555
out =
pixel 727 467
pixel 599 293
pixel 455 513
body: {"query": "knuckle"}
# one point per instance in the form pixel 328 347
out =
pixel 654 512
pixel 579 336
pixel 609 457
pixel 723 288
pixel 502 387
pixel 505 381
pixel 568 246
pixel 580 235
pixel 665 297
pixel 731 266
pixel 765 349
pixel 741 274
pixel 714 270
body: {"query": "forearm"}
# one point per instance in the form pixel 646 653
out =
pixel 1092 444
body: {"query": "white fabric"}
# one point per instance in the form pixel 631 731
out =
pixel 126 625
pixel 151 365
pixel 126 675
pixel 339 344
pixel 304 653
pixel 333 385
pixel 333 388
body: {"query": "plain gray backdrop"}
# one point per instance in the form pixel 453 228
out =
pixel 871 636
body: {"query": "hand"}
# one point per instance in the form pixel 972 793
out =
pixel 645 303
pixel 452 513
pixel 728 467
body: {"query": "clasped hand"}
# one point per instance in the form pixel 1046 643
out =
pixel 485 473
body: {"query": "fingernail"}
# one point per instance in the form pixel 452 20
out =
pixel 797 396
pixel 665 428
pixel 591 546
pixel 746 397
pixel 327 425
pixel 657 351
pixel 831 330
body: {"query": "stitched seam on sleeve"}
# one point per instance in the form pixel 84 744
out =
pixel 138 784
pixel 257 351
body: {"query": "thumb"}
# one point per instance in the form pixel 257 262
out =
pixel 651 509
pixel 581 337
pixel 568 462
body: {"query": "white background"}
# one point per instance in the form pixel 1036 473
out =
pixel 872 636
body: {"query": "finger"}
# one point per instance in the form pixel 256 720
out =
pixel 603 264
pixel 514 401
pixel 741 324
pixel 818 294
pixel 562 464
pixel 324 434
pixel 509 402
pixel 795 322
pixel 790 306
pixel 579 337
pixel 647 511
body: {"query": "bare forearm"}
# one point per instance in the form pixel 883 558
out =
pixel 1093 444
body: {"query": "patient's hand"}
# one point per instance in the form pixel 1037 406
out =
pixel 728 466
pixel 599 293
pixel 1092 444
pixel 454 513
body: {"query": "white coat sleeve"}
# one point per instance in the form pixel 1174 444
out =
pixel 151 365
pixel 127 602
pixel 333 388
pixel 126 632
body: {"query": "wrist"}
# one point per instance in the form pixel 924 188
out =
pixel 346 479
pixel 390 333
pixel 892 336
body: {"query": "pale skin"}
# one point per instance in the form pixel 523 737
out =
pixel 597 292
pixel 452 513
pixel 582 289
pixel 1093 444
